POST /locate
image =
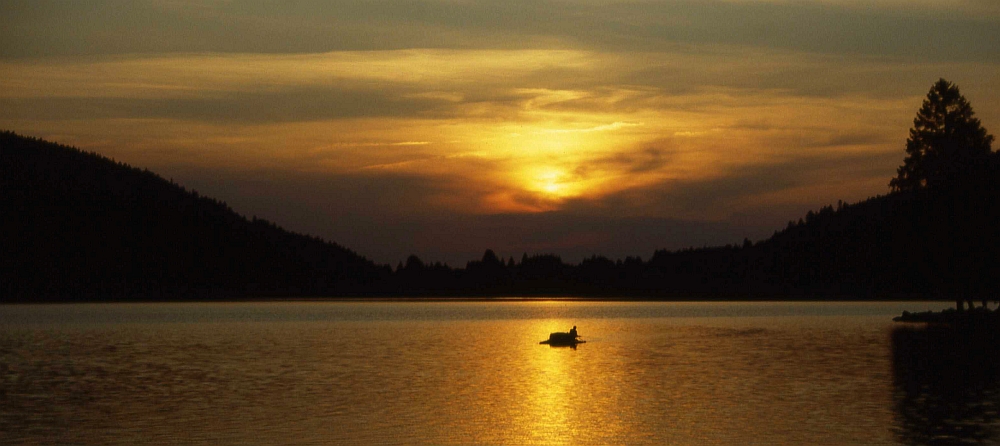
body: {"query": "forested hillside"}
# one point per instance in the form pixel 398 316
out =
pixel 79 226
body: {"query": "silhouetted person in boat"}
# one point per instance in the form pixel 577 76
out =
pixel 573 332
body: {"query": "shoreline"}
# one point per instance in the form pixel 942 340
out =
pixel 478 299
pixel 952 316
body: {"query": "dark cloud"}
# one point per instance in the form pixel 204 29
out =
pixel 53 27
pixel 649 157
pixel 289 105
pixel 853 139
pixel 740 188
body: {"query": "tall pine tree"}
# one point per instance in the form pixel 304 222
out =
pixel 947 147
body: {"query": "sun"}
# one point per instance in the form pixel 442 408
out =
pixel 549 181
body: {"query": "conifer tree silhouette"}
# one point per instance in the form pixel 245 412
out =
pixel 947 146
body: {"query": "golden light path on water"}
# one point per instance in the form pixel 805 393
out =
pixel 551 410
pixel 565 399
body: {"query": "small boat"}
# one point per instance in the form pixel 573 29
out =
pixel 562 338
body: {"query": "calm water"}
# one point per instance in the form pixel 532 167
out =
pixel 474 373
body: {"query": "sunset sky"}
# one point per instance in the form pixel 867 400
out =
pixel 445 127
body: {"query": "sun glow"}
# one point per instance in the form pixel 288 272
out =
pixel 552 160
pixel 549 181
pixel 554 184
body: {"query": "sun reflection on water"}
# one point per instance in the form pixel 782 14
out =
pixel 550 407
pixel 566 400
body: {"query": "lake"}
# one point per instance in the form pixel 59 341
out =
pixel 402 372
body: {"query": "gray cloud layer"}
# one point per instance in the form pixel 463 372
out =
pixel 962 32
pixel 289 105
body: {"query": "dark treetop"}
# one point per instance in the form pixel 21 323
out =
pixel 947 147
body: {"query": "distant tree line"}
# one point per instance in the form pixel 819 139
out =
pixel 78 226
pixel 912 245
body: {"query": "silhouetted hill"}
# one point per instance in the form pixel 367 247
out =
pixel 926 243
pixel 920 244
pixel 78 226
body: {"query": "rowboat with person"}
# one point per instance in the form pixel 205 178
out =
pixel 560 338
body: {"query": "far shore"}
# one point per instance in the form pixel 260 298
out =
pixel 473 299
